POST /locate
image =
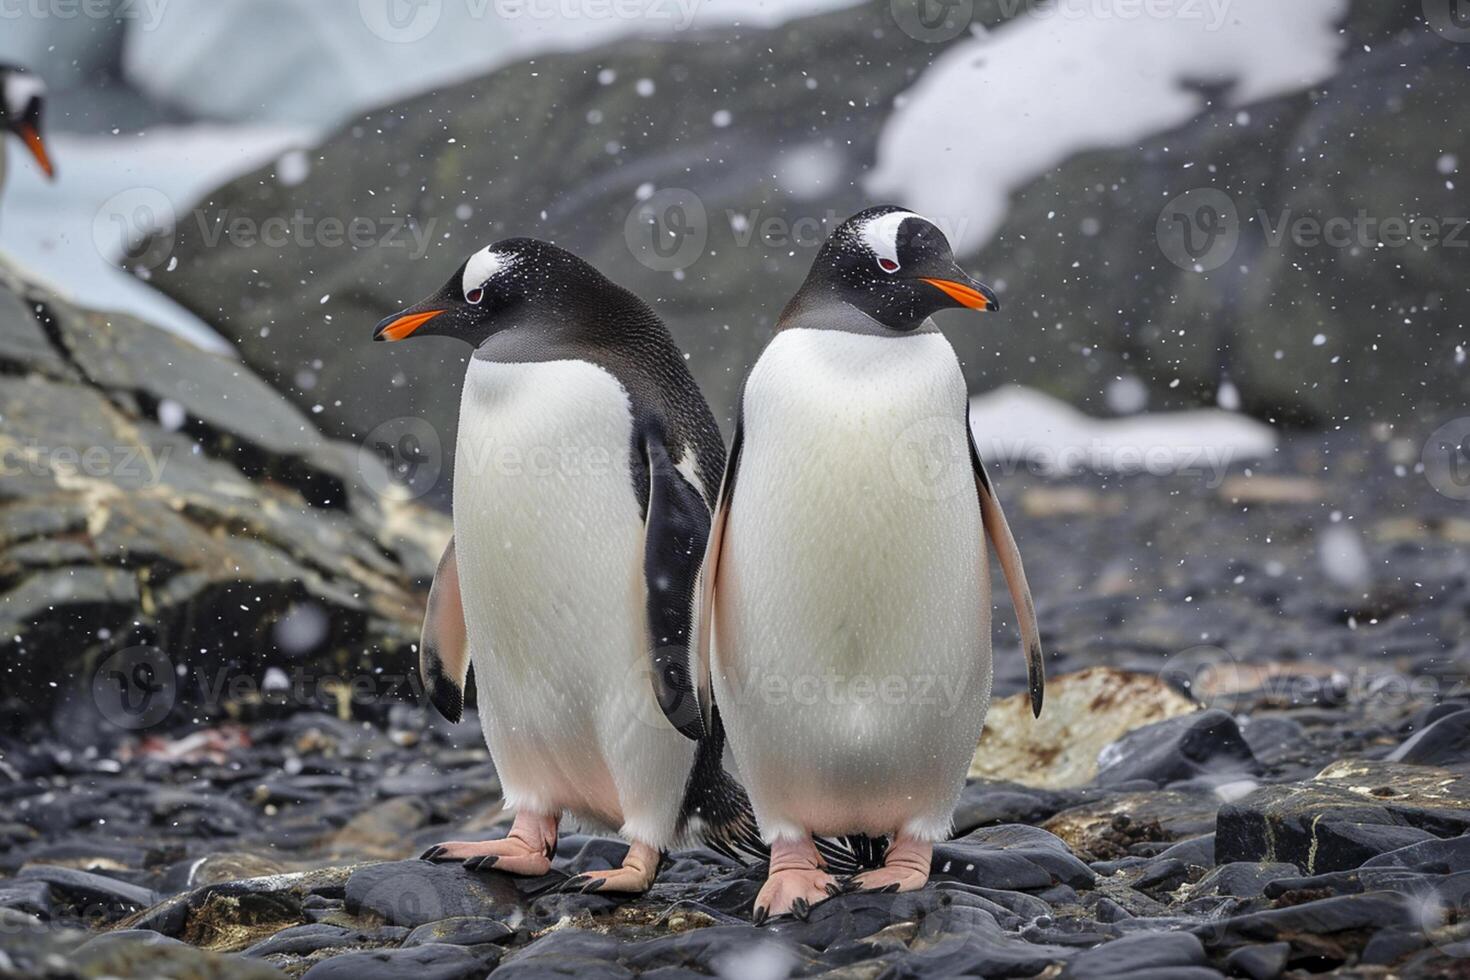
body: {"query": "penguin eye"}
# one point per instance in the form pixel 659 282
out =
pixel 888 265
pixel 474 296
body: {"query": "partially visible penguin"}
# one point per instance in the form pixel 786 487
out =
pixel 845 615
pixel 585 469
pixel 22 104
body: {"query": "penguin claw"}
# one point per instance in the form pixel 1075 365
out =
pixel 759 915
pixel 833 889
pixel 481 863
pixel 582 885
pixel 432 853
pixel 801 909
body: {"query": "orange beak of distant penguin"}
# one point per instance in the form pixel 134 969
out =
pixel 399 327
pixel 966 295
pixel 31 136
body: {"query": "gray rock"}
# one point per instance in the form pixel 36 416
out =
pixel 1132 954
pixel 1266 961
pixel 30 897
pixel 1013 857
pixel 1242 879
pixel 1178 749
pixel 301 940
pixel 1449 855
pixel 431 962
pixel 88 891
pixel 461 931
pixel 151 486
pixel 1353 811
pixel 1446 742
pixel 415 893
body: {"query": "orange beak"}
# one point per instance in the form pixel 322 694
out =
pixel 966 295
pixel 397 328
pixel 31 136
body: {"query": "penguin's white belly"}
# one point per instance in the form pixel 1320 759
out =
pixel 550 545
pixel 852 654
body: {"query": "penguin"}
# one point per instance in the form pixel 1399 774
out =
pixel 22 104
pixel 586 466
pixel 844 617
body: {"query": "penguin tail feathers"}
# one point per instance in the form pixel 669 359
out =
pixel 718 813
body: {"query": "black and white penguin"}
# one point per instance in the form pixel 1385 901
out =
pixel 844 624
pixel 585 471
pixel 22 104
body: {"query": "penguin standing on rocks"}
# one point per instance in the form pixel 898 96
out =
pixel 844 624
pixel 22 103
pixel 585 469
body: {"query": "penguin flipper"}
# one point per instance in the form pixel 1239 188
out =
pixel 705 622
pixel 675 533
pixel 998 530
pixel 444 660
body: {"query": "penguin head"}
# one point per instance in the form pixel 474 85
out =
pixel 895 266
pixel 512 282
pixel 22 101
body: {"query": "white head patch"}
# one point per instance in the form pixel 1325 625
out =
pixel 485 265
pixel 19 91
pixel 880 234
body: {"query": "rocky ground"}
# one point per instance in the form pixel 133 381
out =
pixel 1253 763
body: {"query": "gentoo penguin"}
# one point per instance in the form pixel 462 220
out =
pixel 585 469
pixel 22 102
pixel 844 622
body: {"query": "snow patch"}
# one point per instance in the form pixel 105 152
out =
pixel 994 112
pixel 1016 426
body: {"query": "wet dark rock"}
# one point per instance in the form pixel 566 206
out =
pixel 1325 919
pixel 301 940
pixel 1434 854
pixel 1353 811
pixel 1162 875
pixel 1446 742
pixel 461 931
pixel 30 897
pixel 1177 749
pixel 1242 879
pixel 1013 857
pixel 91 893
pixel 565 953
pixel 1266 961
pixel 430 962
pixel 1276 740
pixel 986 803
pixel 1131 954
pixel 414 893
pixel 1196 852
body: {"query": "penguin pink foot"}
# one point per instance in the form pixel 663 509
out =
pixel 796 881
pixel 635 876
pixel 905 869
pixel 526 850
